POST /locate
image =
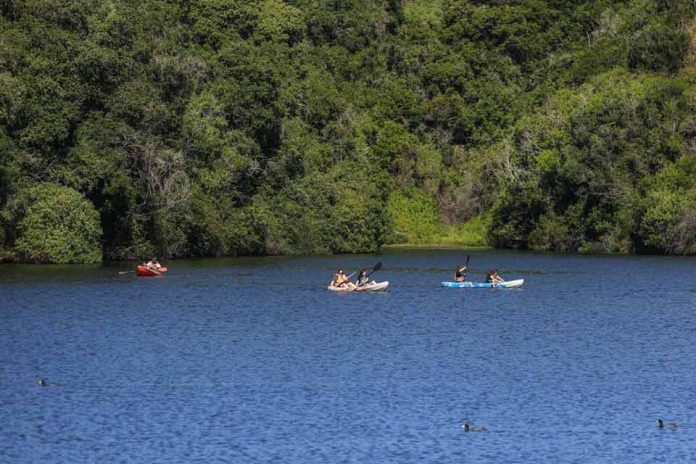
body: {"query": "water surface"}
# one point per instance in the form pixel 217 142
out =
pixel 252 360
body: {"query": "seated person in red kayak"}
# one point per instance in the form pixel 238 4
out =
pixel 153 264
pixel 341 280
pixel 492 277
pixel 364 279
pixel 460 273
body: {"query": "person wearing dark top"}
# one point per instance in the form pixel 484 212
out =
pixel 364 278
pixel 460 273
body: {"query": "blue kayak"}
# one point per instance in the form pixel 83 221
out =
pixel 507 284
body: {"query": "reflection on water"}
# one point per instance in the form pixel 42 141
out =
pixel 252 360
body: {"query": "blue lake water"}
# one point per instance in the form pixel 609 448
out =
pixel 253 360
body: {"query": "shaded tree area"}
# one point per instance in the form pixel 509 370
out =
pixel 227 127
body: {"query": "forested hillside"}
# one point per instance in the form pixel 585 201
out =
pixel 133 128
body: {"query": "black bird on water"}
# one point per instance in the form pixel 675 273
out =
pixel 468 428
pixel 666 425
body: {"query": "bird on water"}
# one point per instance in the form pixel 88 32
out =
pixel 666 425
pixel 469 428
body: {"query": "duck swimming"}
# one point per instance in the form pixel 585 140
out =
pixel 666 425
pixel 468 428
pixel 46 383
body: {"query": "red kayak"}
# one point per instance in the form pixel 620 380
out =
pixel 144 271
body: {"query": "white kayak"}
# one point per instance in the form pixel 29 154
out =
pixel 507 284
pixel 376 287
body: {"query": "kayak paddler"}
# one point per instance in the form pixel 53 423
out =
pixel 364 278
pixel 340 280
pixel 493 277
pixel 153 264
pixel 460 273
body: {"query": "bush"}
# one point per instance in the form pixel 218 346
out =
pixel 472 233
pixel 668 224
pixel 551 234
pixel 414 217
pixel 658 49
pixel 60 226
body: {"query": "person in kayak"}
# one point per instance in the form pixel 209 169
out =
pixel 492 277
pixel 364 279
pixel 153 264
pixel 341 280
pixel 461 273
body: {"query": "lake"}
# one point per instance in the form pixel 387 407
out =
pixel 252 360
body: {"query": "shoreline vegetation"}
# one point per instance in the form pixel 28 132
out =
pixel 434 246
pixel 228 128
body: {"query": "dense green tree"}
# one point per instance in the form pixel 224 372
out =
pixel 56 224
pixel 592 158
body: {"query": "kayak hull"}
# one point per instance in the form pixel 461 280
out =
pixel 507 284
pixel 376 287
pixel 143 271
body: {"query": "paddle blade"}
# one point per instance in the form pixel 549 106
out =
pixel 467 261
pixel 377 267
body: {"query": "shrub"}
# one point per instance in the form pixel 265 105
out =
pixel 472 233
pixel 60 226
pixel 551 234
pixel 658 49
pixel 414 216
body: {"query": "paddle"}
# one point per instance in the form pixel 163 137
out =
pixel 377 267
pixel 466 265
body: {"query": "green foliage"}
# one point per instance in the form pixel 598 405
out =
pixel 223 127
pixel 279 22
pixel 422 18
pixel 667 224
pixel 661 48
pixel 594 158
pixel 415 221
pixel 515 215
pixel 340 212
pixel 58 226
pixel 472 233
pixel 413 216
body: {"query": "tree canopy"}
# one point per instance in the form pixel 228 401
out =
pixel 226 127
